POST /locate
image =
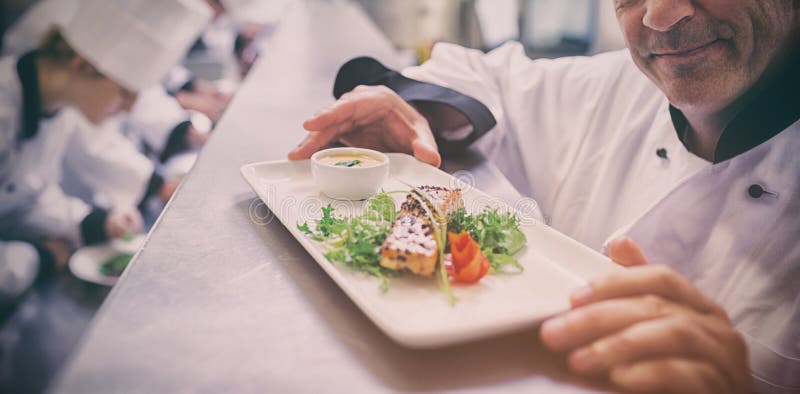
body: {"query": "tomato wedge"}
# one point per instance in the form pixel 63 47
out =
pixel 469 264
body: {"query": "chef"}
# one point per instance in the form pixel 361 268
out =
pixel 95 63
pixel 678 158
pixel 156 122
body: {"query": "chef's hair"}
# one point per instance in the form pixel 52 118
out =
pixel 55 48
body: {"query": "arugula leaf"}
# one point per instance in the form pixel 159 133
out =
pixel 304 228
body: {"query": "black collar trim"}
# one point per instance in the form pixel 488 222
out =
pixel 31 99
pixel 772 106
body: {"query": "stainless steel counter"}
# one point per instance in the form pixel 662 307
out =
pixel 221 301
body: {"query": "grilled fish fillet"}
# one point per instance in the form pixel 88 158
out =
pixel 411 244
pixel 447 200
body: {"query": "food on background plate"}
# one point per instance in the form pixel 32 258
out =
pixel 432 233
pixel 116 264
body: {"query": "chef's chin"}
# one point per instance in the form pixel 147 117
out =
pixel 708 79
pixel 705 94
pixel 702 89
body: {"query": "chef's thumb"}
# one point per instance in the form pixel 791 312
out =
pixel 625 252
pixel 426 153
pixel 313 142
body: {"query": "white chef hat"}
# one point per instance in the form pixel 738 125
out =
pixel 135 42
pixel 258 12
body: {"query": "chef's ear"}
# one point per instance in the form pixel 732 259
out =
pixel 78 65
pixel 625 252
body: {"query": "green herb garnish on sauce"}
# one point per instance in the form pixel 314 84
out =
pixel 348 163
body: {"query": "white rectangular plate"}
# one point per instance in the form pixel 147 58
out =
pixel 414 311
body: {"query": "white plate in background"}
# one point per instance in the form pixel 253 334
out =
pixel 85 263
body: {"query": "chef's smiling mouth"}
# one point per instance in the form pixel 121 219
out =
pixel 683 52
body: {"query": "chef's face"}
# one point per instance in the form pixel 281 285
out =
pixel 97 96
pixel 703 54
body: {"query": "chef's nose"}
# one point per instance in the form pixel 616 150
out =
pixel 663 15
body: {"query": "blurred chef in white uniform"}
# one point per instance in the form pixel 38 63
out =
pixel 96 63
pixel 157 123
pixel 680 151
pixel 192 93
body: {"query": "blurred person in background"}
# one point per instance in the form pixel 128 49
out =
pixel 96 63
pixel 158 123
pixel 192 93
pixel 216 43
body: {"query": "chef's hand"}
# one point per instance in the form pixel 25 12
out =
pixel 373 117
pixel 648 329
pixel 205 98
pixel 168 189
pixel 60 249
pixel 195 138
pixel 123 220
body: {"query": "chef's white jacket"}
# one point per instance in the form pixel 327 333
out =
pixel 154 116
pixel 581 136
pixel 101 165
pixel 32 203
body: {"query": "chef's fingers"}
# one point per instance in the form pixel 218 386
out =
pixel 686 335
pixel 112 226
pixel 122 220
pixel 326 126
pixel 133 220
pixel 401 127
pixel 625 252
pixel 362 105
pixel 671 375
pixel 313 142
pixel 581 326
pixel 60 250
pixel 426 153
pixel 657 280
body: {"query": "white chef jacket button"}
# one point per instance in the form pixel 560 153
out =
pixel 662 153
pixel 756 191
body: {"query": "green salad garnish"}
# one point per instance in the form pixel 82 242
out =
pixel 497 233
pixel 356 241
pixel 115 265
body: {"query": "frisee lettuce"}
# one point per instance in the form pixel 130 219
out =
pixel 497 233
pixel 355 241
